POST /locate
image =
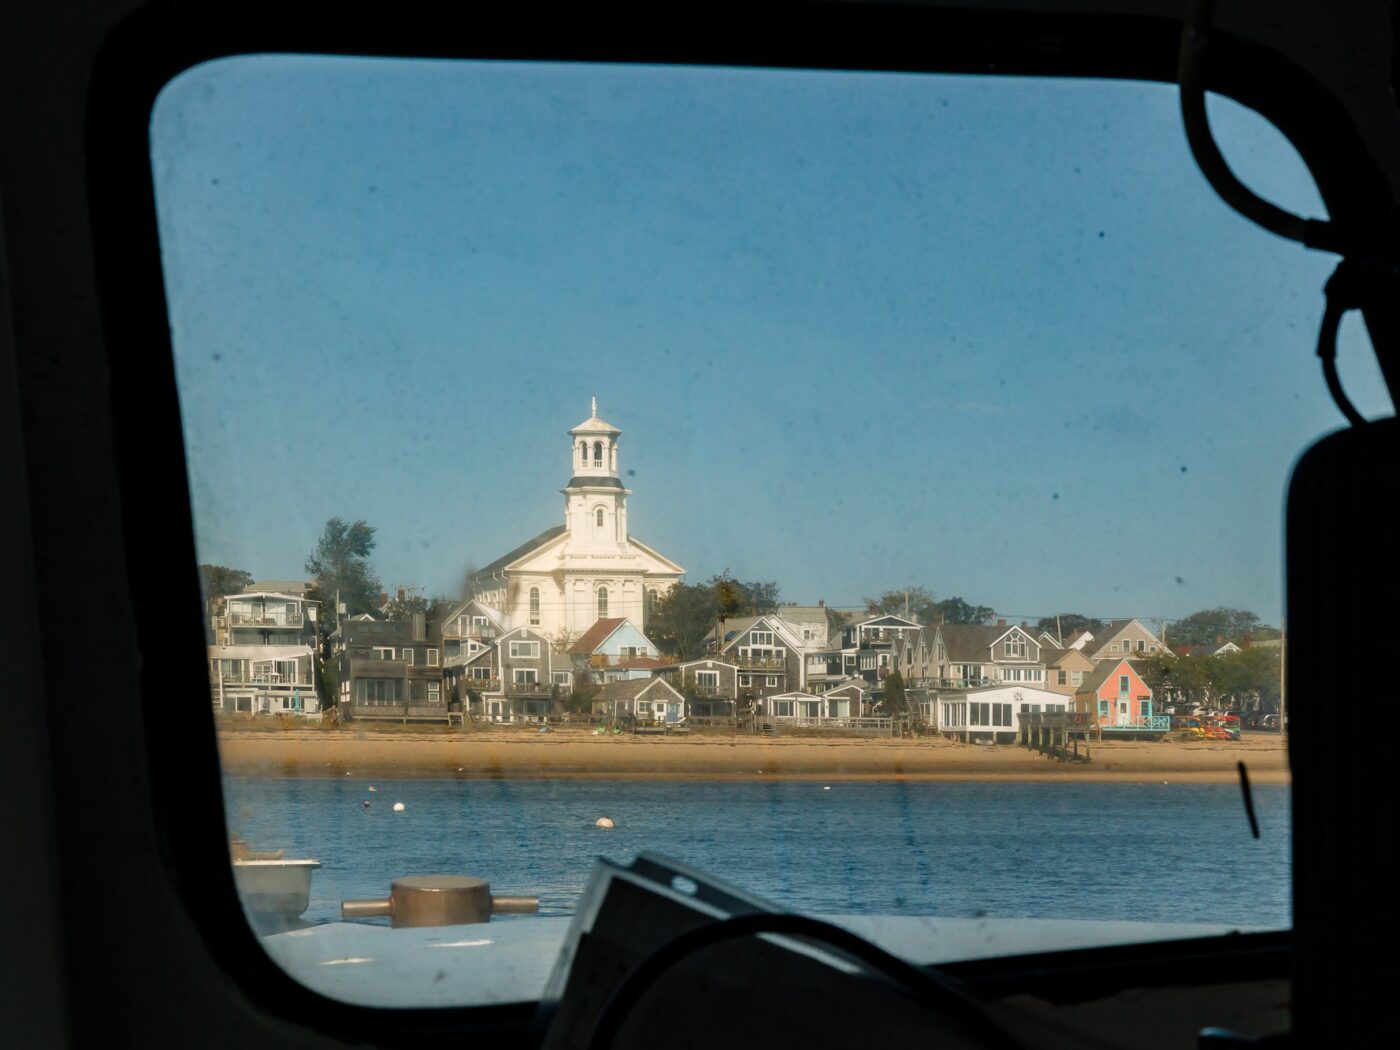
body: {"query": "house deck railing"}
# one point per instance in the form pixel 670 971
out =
pixel 1153 723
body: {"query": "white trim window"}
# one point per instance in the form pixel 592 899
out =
pixel 707 679
pixel 481 674
pixel 534 606
pixel 383 652
pixel 760 637
pixel 408 657
pixel 771 681
pixel 602 598
pixel 525 675
pixel 434 693
pixel 1014 647
pixel 524 650
pixel 432 658
pixel 564 678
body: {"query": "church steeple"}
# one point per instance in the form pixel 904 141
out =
pixel 595 501
pixel 594 444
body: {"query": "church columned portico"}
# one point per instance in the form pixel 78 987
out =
pixel 591 567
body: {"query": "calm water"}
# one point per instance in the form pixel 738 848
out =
pixel 1107 851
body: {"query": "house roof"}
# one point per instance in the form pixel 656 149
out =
pixel 589 641
pixel 774 622
pixel 969 641
pixel 553 532
pixel 847 683
pixel 1103 670
pixel 1074 640
pixel 802 613
pixel 1112 628
pixel 885 620
pixel 280 595
pixel 296 587
pixel 632 688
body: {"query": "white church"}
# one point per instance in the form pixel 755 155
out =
pixel 588 568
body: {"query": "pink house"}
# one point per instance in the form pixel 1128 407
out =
pixel 1119 700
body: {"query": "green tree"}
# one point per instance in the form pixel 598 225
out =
pixel 403 608
pixel 1068 623
pixel 218 580
pixel 896 701
pixel 215 581
pixel 955 610
pixel 1180 681
pixel 921 603
pixel 340 565
pixel 1248 679
pixel 681 618
pixel 1204 627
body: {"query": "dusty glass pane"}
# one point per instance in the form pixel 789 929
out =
pixel 744 465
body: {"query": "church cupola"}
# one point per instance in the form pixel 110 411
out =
pixel 594 444
pixel 595 501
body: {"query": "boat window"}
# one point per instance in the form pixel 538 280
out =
pixel 969 352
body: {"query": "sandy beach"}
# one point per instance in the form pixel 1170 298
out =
pixel 503 752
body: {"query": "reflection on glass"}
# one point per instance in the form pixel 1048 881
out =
pixel 920 443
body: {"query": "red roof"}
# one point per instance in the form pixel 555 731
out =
pixel 596 635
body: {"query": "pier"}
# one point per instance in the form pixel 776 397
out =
pixel 1062 735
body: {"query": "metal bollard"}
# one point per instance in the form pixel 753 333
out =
pixel 438 900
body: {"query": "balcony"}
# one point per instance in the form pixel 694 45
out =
pixel 253 619
pixel 483 685
pixel 708 690
pixel 475 634
pixel 760 663
pixel 536 689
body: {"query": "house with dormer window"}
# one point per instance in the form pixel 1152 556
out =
pixel 1122 639
pixel 966 656
pixel 532 679
pixel 766 654
pixel 469 628
pixel 865 648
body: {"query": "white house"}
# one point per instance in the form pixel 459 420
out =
pixel 589 568
pixel 989 713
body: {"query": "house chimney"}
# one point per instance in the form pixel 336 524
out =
pixel 1001 623
pixel 1023 625
pixel 400 594
pixel 821 603
pixel 1219 639
pixel 420 627
pixel 383 598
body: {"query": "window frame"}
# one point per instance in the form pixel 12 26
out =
pixel 142 54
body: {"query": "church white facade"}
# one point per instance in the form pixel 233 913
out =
pixel 591 567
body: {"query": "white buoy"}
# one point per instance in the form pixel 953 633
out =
pixel 398 807
pixel 826 788
pixel 606 823
pixel 373 788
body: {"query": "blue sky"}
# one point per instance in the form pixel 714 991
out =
pixel 992 336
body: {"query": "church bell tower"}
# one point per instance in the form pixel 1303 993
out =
pixel 595 502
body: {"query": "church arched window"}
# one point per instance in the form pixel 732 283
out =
pixel 583 453
pixel 600 517
pixel 650 606
pixel 534 606
pixel 597 453
pixel 602 602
